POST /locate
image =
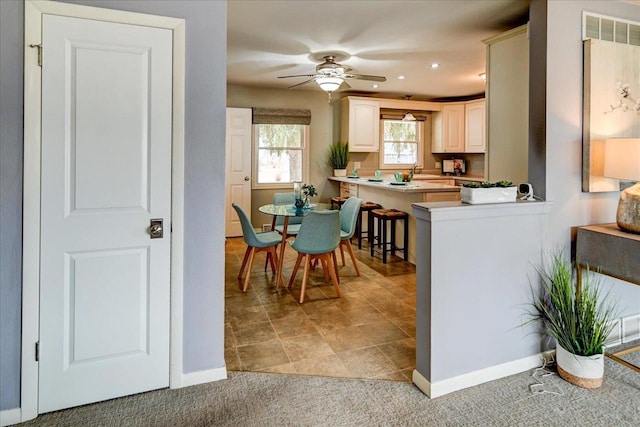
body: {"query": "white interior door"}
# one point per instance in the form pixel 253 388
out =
pixel 238 165
pixel 106 172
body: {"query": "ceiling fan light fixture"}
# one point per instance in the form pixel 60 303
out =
pixel 408 117
pixel 329 84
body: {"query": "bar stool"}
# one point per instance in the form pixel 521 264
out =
pixel 390 215
pixel 338 201
pixel 366 207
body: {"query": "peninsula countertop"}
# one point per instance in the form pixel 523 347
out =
pixel 409 187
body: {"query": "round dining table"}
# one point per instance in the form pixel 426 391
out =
pixel 286 212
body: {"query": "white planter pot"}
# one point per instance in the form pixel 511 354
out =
pixel 583 371
pixel 488 195
pixel 339 172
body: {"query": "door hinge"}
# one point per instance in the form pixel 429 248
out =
pixel 37 351
pixel 39 46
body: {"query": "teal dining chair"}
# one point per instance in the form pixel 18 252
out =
pixel 293 226
pixel 256 242
pixel 318 238
pixel 348 219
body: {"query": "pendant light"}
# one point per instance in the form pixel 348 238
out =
pixel 408 117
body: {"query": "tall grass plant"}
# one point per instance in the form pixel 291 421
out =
pixel 581 321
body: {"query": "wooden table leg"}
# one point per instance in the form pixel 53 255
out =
pixel 279 278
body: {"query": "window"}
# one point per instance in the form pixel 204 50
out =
pixel 401 143
pixel 281 154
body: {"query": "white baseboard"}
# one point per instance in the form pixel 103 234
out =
pixel 10 416
pixel 480 376
pixel 201 377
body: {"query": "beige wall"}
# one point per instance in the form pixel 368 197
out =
pixel 320 139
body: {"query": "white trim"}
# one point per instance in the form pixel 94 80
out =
pixel 34 9
pixel 10 416
pixel 202 377
pixel 480 376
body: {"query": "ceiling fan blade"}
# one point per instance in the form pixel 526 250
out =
pixel 365 77
pixel 304 82
pixel 297 75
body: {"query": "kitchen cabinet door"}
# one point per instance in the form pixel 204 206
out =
pixel 448 129
pixel 361 124
pixel 475 129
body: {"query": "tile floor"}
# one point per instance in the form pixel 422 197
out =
pixel 368 333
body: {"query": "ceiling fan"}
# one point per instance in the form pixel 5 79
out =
pixel 330 75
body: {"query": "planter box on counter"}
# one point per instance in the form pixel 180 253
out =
pixel 476 196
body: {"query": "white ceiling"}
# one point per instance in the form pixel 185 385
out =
pixel 267 39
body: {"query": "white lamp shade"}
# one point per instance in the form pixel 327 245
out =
pixel 622 158
pixel 329 84
pixel 408 117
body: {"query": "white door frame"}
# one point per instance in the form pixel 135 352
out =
pixel 33 11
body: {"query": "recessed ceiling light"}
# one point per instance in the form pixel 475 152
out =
pixel 374 86
pixel 435 65
pixel 401 77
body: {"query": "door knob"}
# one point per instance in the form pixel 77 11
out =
pixel 156 230
pixel 246 178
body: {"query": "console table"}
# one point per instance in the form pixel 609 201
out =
pixel 612 252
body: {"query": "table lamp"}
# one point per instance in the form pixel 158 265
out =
pixel 622 161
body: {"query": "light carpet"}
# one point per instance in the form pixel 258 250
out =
pixel 264 399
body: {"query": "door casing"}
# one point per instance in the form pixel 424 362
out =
pixel 34 9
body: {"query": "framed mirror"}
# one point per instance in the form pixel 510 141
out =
pixel 611 106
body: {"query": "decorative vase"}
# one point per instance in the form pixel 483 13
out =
pixel 488 195
pixel 583 371
pixel 299 203
pixel 339 172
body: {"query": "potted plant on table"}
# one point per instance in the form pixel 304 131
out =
pixel 580 321
pixel 339 158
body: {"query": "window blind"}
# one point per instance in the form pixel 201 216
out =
pixel 281 116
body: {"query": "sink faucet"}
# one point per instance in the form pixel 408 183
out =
pixel 413 169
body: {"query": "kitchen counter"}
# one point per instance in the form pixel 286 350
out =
pixel 418 186
pixel 399 197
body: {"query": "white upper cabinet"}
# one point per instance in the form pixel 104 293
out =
pixel 361 124
pixel 459 128
pixel 448 129
pixel 475 128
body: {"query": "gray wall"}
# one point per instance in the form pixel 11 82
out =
pixel 11 42
pixel 203 345
pixel 563 117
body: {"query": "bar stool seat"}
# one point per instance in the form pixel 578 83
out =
pixel 389 245
pixel 338 201
pixel 366 207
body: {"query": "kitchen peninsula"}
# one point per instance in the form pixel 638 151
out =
pixel 401 197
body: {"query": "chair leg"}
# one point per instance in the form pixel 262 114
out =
pixel 347 243
pixel 295 270
pixel 342 255
pixel 325 267
pixel 246 279
pixel 334 278
pixel 272 255
pixel 244 262
pixel 304 277
pixel 335 265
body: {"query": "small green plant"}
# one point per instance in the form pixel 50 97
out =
pixel 308 190
pixel 579 322
pixel 339 155
pixel 488 184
